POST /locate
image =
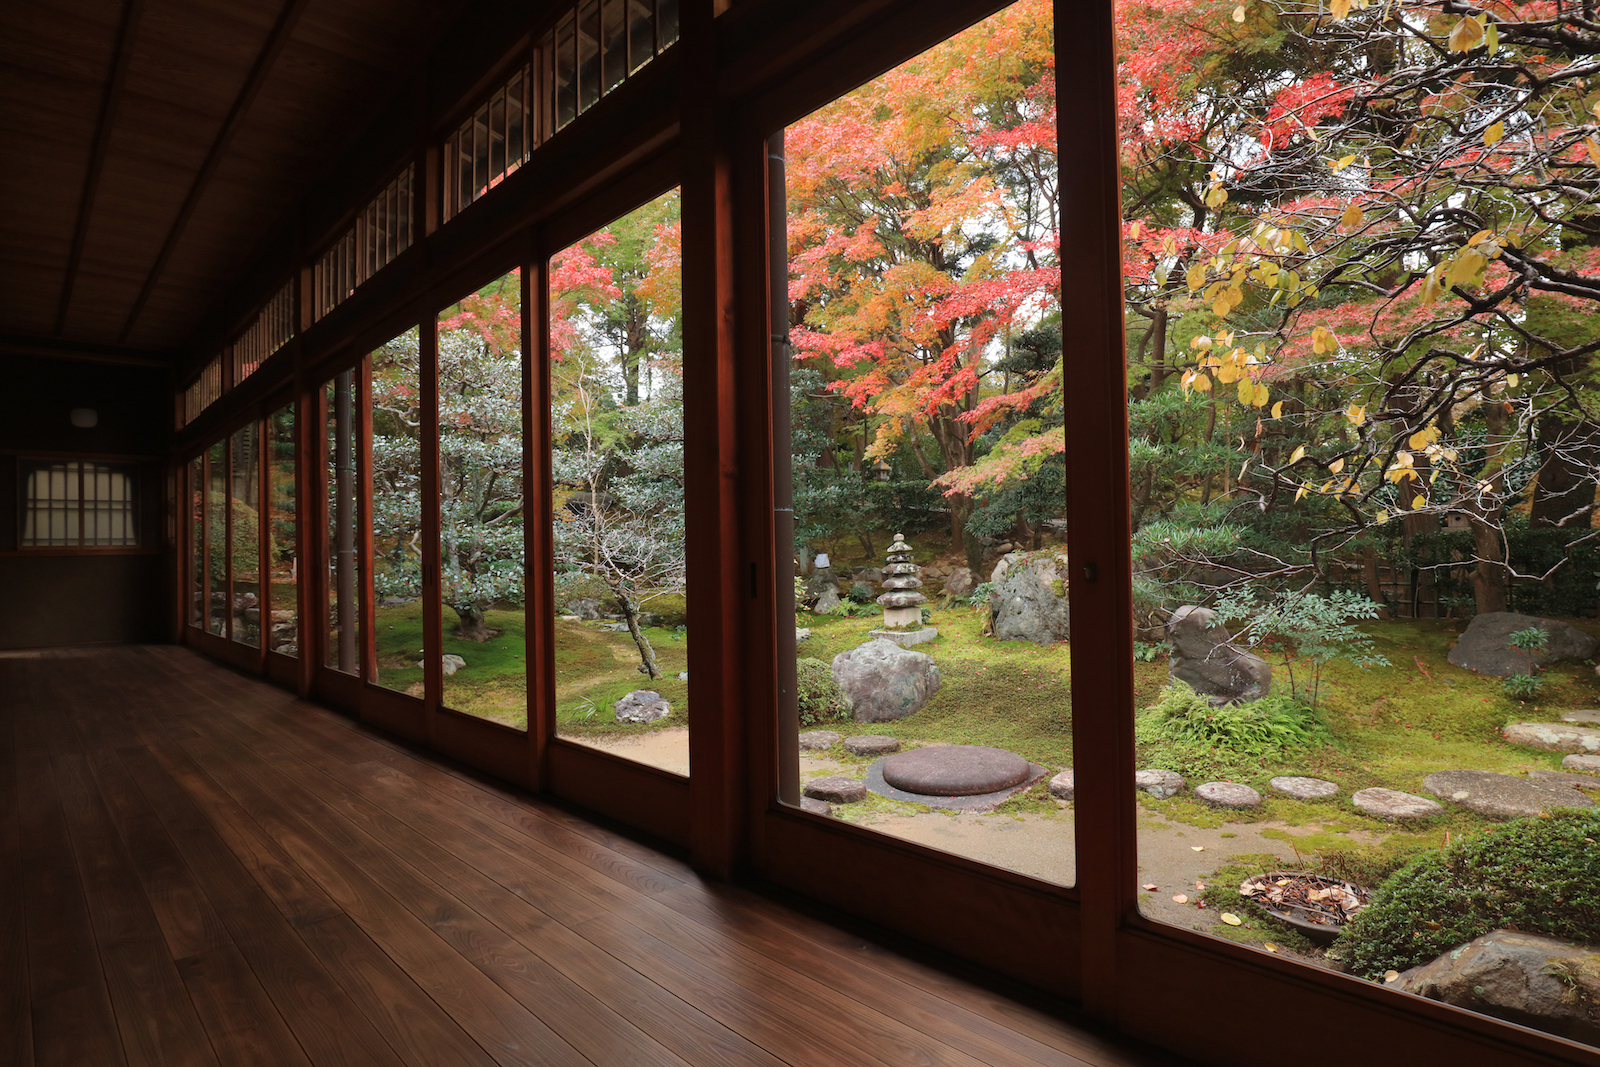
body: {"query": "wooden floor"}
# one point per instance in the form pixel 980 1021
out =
pixel 196 868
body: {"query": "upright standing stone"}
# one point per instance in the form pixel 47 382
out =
pixel 902 604
pixel 1206 659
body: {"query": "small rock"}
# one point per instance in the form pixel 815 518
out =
pixel 870 574
pixel 1501 796
pixel 836 789
pixel 815 806
pixel 801 633
pixel 1553 736
pixel 1582 715
pixel 1228 795
pixel 1536 981
pixel 1158 783
pixel 1062 786
pixel 1393 804
pixel 683 676
pixel 827 602
pixel 871 745
pixel 452 662
pixel 642 705
pixel 1574 781
pixel 817 740
pixel 1302 788
pixel 959 582
pixel 1582 764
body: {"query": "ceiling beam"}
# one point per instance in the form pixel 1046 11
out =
pixel 50 348
pixel 276 40
pixel 109 101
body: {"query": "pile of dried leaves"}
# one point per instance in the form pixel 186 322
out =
pixel 1307 899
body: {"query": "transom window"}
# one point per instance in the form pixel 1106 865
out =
pixel 72 503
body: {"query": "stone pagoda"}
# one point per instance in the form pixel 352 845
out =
pixel 902 604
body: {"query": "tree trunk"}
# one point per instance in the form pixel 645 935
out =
pixel 647 655
pixel 1491 582
pixel 473 627
pixel 1374 586
pixel 1564 493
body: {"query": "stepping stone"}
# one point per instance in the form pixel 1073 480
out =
pixel 1575 781
pixel 1554 736
pixel 836 789
pixel 1302 788
pixel 1228 795
pixel 1582 715
pixel 1062 786
pixel 871 745
pixel 1393 804
pixel 955 770
pixel 817 740
pixel 1159 783
pixel 1582 764
pixel 1502 796
pixel 815 806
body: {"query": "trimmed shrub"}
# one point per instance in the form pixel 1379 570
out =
pixel 1267 725
pixel 1539 876
pixel 820 698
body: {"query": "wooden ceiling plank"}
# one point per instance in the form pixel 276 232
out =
pixel 276 40
pixel 131 11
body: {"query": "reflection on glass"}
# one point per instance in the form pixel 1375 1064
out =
pixel 480 504
pixel 244 544
pixel 339 485
pixel 588 53
pixel 283 635
pixel 217 538
pixel 197 541
pixel 397 514
pixel 924 403
pixel 621 634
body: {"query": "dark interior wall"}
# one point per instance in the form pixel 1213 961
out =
pixel 57 598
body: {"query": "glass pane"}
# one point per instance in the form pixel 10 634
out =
pixel 283 554
pixel 932 671
pixel 485 648
pixel 566 72
pixel 397 514
pixel 667 16
pixel 197 542
pixel 217 538
pixel 614 29
pixel 343 646
pixel 1364 503
pixel 641 33
pixel 244 551
pixel 621 632
pixel 588 54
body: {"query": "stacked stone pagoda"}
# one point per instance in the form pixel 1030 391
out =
pixel 902 604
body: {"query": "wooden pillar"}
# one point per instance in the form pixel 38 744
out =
pixel 1099 527
pixel 432 606
pixel 537 494
pixel 720 578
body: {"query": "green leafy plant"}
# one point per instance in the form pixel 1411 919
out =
pixel 1537 875
pixel 819 696
pixel 1522 686
pixel 1146 651
pixel 1264 726
pixel 1305 626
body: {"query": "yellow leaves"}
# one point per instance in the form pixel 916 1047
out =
pixel 1355 413
pixel 1344 162
pixel 1277 410
pixel 1423 438
pixel 1297 455
pixel 1135 230
pixel 1323 342
pixel 1216 196
pixel 1493 135
pixel 1336 466
pixel 1238 13
pixel 1467 35
pixel 1261 396
pixel 1352 216
pixel 1593 148
pixel 1301 492
pixel 1196 276
pixel 1465 268
pixel 1340 9
pixel 1419 502
pixel 1479 237
pixel 1431 289
pixel 1230 918
pixel 1247 393
pixel 1382 517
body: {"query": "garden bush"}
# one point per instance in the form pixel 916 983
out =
pixel 820 698
pixel 1539 876
pixel 1263 726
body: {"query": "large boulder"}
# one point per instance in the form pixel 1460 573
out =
pixel 1522 978
pixel 1205 659
pixel 959 583
pixel 1029 598
pixel 884 681
pixel 1484 644
pixel 1502 796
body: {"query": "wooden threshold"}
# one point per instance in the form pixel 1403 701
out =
pixel 199 868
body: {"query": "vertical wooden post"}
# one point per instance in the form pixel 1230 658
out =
pixel 308 558
pixel 227 532
pixel 719 578
pixel 538 547
pixel 263 541
pixel 432 606
pixel 1099 528
pixel 365 595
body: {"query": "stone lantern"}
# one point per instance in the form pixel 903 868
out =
pixel 902 604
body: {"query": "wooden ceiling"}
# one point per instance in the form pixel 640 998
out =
pixel 152 145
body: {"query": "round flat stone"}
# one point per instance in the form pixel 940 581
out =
pixel 1576 781
pixel 817 740
pixel 1502 796
pixel 871 745
pixel 1228 795
pixel 815 806
pixel 836 789
pixel 1301 788
pixel 1581 764
pixel 1062 786
pixel 1393 804
pixel 1553 736
pixel 1159 783
pixel 1589 715
pixel 955 770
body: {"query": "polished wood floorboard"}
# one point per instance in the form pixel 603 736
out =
pixel 197 868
